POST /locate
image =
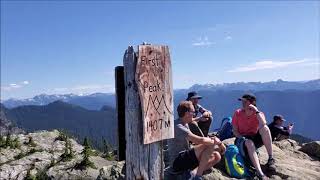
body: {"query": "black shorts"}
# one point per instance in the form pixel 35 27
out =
pixel 186 160
pixel 257 140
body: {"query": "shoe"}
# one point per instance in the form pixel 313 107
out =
pixel 271 164
pixel 262 177
pixel 196 177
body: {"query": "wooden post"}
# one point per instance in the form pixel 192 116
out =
pixel 143 161
pixel 120 105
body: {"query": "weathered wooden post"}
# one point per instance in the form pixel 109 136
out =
pixel 120 107
pixel 148 109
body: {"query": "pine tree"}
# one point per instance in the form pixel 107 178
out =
pixel 107 150
pixel 8 140
pixel 2 141
pixel 86 151
pixel 68 153
pixel 86 154
pixel 31 142
pixel 15 143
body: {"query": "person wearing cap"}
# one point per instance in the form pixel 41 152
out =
pixel 192 160
pixel 278 131
pixel 202 118
pixel 251 131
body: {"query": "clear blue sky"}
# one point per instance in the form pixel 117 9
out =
pixel 73 47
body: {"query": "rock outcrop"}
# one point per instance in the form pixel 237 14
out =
pixel 291 162
pixel 312 148
pixel 41 159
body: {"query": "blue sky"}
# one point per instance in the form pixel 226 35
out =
pixel 73 46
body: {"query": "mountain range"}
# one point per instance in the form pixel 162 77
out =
pixel 97 100
pixel 92 101
pixel 298 102
pixel 75 120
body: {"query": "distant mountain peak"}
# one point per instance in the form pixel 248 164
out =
pixel 278 85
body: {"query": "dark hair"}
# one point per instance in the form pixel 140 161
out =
pixel 183 107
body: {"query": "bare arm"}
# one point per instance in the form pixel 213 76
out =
pixel 200 140
pixel 196 118
pixel 236 132
pixel 260 116
pixel 262 119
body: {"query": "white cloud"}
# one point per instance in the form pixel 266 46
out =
pixel 228 38
pixel 269 64
pixel 203 41
pixel 14 86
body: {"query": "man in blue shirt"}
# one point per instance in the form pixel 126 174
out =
pixel 202 118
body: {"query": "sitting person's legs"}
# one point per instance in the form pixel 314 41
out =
pixel 195 129
pixel 204 124
pixel 266 138
pixel 207 157
pixel 251 150
pixel 186 160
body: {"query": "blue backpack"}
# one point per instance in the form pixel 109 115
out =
pixel 235 164
pixel 225 130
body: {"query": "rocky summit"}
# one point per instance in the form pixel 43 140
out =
pixel 40 155
pixel 291 162
pixel 43 155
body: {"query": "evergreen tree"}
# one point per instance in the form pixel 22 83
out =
pixel 15 143
pixel 86 154
pixel 31 142
pixel 8 140
pixel 107 150
pixel 2 141
pixel 68 153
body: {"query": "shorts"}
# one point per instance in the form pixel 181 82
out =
pixel 240 142
pixel 257 140
pixel 186 160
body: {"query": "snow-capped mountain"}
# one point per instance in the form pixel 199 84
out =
pixel 278 85
pixel 92 101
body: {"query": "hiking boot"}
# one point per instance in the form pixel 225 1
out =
pixel 262 177
pixel 271 164
pixel 195 177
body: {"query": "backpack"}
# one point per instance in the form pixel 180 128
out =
pixel 235 164
pixel 225 130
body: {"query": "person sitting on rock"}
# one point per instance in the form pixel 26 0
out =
pixel 194 160
pixel 278 131
pixel 202 118
pixel 251 131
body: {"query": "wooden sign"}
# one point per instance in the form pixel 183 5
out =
pixel 154 79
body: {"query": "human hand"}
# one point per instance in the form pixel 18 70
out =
pixel 290 126
pixel 206 114
pixel 253 108
pixel 216 140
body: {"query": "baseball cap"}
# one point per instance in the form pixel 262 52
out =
pixel 250 97
pixel 193 95
pixel 278 117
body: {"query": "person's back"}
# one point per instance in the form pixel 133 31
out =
pixel 179 143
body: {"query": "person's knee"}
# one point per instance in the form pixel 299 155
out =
pixel 249 144
pixel 264 128
pixel 217 156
